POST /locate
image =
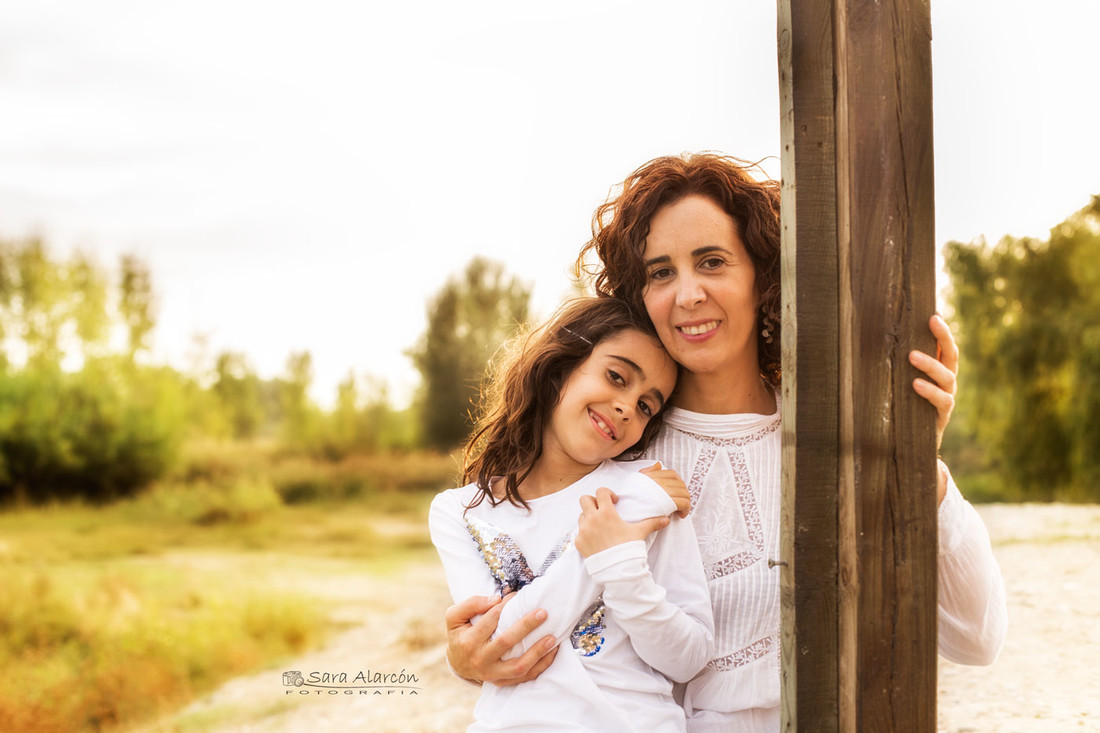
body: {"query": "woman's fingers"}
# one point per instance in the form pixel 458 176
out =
pixel 946 349
pixel 936 370
pixel 472 652
pixel 538 667
pixel 458 616
pixel 673 485
pixel 942 370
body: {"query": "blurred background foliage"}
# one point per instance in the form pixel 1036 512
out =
pixel 1027 314
pixel 85 415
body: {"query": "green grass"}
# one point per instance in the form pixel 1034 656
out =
pixel 115 615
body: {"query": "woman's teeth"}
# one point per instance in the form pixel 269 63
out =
pixel 701 328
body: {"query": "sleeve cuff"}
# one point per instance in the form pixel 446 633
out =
pixel 951 515
pixel 602 561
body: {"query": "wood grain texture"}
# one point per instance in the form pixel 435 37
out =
pixel 858 285
pixel 809 281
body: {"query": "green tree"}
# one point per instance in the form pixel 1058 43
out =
pixel 89 303
pixel 238 391
pixel 468 320
pixel 300 416
pixel 102 432
pixel 36 310
pixel 136 303
pixel 1029 317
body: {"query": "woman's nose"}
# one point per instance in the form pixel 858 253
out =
pixel 690 292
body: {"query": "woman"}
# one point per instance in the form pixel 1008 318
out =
pixel 695 242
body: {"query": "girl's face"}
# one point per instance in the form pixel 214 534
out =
pixel 608 399
pixel 701 286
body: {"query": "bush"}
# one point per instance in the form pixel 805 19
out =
pixel 102 433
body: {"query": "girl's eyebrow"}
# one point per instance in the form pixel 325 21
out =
pixel 641 373
pixel 694 253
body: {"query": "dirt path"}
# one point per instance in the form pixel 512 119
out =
pixel 1047 678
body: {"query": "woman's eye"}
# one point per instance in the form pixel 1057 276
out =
pixel 615 377
pixel 661 273
pixel 711 263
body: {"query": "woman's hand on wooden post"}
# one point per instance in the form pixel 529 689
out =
pixel 943 371
pixel 475 655
pixel 600 527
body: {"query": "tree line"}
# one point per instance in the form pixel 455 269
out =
pixel 1027 310
pixel 83 412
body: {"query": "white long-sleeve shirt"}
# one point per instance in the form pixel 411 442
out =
pixel 613 670
pixel 732 466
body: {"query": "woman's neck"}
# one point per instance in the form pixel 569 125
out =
pixel 726 393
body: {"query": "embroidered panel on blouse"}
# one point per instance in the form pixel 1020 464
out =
pixel 511 572
pixel 718 527
pixel 741 657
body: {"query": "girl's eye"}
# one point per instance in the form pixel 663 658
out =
pixel 644 408
pixel 661 273
pixel 615 377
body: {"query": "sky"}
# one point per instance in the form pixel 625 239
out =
pixel 307 175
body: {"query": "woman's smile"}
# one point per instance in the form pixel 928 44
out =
pixel 696 331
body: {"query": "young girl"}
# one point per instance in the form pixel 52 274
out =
pixel 632 614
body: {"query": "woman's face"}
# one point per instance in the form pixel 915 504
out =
pixel 701 287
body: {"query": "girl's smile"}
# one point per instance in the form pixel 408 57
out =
pixel 608 399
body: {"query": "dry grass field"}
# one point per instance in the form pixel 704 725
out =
pixel 1044 681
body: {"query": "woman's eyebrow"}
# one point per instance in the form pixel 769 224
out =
pixel 694 253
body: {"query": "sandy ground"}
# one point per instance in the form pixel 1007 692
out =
pixel 1046 679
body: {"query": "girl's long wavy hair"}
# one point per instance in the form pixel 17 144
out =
pixel 524 388
pixel 621 224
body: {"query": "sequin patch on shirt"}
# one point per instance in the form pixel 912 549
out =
pixel 501 553
pixel 505 560
pixel 511 572
pixel 587 637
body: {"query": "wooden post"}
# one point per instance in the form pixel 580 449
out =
pixel 859 586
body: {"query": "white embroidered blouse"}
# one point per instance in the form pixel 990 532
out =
pixel 731 464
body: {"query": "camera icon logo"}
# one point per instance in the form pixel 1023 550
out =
pixel 293 679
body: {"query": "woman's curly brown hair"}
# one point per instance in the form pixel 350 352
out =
pixel 525 387
pixel 621 224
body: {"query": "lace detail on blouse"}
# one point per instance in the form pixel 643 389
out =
pixel 741 657
pixel 715 536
